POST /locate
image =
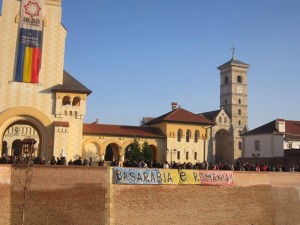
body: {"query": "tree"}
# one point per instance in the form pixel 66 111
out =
pixel 24 168
pixel 24 182
pixel 147 152
pixel 133 152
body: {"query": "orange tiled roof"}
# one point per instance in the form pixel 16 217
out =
pixel 291 127
pixel 121 130
pixel 180 115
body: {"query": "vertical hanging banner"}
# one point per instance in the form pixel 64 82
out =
pixel 30 41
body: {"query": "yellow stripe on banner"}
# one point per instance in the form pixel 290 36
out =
pixel 169 176
pixel 27 65
pixel 189 177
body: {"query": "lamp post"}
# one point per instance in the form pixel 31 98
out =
pixel 129 150
pixel 255 156
pixel 172 152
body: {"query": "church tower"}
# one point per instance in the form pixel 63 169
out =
pixel 234 100
pixel 39 101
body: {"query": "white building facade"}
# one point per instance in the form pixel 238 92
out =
pixel 274 139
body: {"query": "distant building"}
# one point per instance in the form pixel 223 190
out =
pixel 278 138
pixel 186 135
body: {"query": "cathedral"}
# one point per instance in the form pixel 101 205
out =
pixel 42 106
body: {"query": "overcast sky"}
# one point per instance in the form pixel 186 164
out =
pixel 137 56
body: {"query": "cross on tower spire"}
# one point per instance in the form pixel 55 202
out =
pixel 233 52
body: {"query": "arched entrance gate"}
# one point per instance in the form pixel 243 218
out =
pixel 222 139
pixel 36 137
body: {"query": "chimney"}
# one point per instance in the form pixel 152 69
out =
pixel 174 105
pixel 280 125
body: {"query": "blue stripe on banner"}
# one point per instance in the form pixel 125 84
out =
pixel 20 63
pixel 134 176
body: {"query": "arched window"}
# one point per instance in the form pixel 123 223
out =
pixel 226 80
pixel 240 101
pixel 240 112
pixel 239 79
pixel 71 113
pixel 76 114
pixel 187 135
pixel 179 135
pixel 178 155
pixel 225 119
pixel 240 145
pixel 220 119
pixel 66 112
pixel 187 155
pixel 76 101
pixel 239 123
pixel 240 132
pixel 195 155
pixel 66 100
pixel 196 136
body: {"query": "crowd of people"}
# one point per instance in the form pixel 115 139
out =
pixel 5 159
pixel 215 166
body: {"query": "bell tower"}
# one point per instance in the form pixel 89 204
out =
pixel 234 100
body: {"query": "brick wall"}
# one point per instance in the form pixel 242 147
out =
pixel 82 195
pixel 256 198
pixel 57 195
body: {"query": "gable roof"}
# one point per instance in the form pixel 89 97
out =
pixel 121 130
pixel 234 62
pixel 211 115
pixel 146 120
pixel 70 84
pixel 180 115
pixel 292 128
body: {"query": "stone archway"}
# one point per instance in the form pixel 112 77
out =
pixel 153 153
pixel 22 138
pixel 222 139
pixel 17 147
pixel 92 147
pixel 112 152
pixel 34 118
pixel 92 151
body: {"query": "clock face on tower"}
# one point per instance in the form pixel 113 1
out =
pixel 239 89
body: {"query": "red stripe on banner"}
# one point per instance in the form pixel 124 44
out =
pixel 35 66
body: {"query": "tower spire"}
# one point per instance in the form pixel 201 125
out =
pixel 233 52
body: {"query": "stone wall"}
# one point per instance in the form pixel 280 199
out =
pixel 70 195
